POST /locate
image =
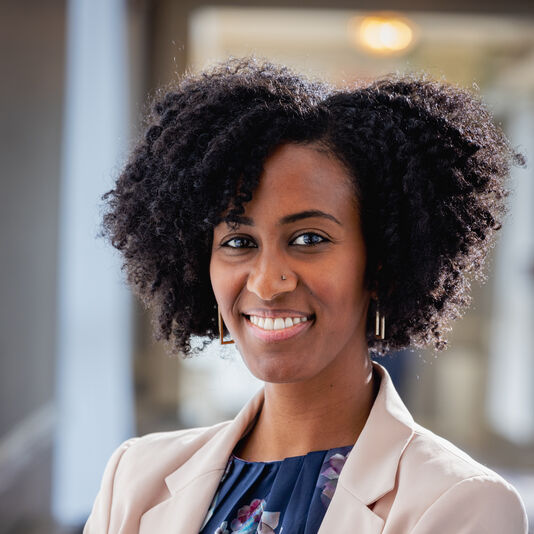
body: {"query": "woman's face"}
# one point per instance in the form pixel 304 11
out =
pixel 302 222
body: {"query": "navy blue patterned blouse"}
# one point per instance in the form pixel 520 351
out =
pixel 288 496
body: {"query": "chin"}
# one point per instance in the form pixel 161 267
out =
pixel 277 366
pixel 277 373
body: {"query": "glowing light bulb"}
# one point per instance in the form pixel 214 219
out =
pixel 381 33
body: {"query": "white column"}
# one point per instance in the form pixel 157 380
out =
pixel 510 398
pixel 94 376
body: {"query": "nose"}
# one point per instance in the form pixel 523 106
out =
pixel 265 277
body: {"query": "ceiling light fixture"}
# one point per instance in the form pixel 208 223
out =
pixel 382 33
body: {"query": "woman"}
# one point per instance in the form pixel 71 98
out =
pixel 318 225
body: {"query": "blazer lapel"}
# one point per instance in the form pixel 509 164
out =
pixel 347 515
pixel 183 512
pixel 193 485
pixel 371 467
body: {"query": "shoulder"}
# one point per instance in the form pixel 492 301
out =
pixel 127 485
pixel 164 451
pixel 441 457
pixel 451 488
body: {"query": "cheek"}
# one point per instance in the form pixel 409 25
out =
pixel 217 276
pixel 342 288
pixel 225 282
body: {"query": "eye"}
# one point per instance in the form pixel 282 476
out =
pixel 310 242
pixel 239 242
pixel 308 239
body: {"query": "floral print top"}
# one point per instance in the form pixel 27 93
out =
pixel 289 496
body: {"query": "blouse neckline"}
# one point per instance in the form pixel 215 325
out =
pixel 233 457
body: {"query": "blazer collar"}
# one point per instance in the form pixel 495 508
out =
pixel 193 485
pixel 214 454
pixel 368 474
pixel 371 467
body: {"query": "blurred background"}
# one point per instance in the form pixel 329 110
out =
pixel 79 370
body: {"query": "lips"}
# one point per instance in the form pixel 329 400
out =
pixel 280 334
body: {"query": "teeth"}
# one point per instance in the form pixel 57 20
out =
pixel 278 323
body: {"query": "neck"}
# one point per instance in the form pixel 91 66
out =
pixel 327 412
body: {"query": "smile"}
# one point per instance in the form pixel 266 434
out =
pixel 275 323
pixel 277 328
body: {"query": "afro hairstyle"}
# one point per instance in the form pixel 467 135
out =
pixel 428 164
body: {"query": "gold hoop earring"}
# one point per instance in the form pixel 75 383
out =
pixel 221 327
pixel 380 324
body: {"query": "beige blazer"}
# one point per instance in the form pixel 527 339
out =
pixel 399 478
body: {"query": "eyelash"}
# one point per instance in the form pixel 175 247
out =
pixel 324 240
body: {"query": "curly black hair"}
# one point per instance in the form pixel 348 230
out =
pixel 428 164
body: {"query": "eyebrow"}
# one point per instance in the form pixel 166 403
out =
pixel 292 217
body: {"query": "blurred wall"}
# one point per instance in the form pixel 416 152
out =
pixel 31 96
pixel 31 51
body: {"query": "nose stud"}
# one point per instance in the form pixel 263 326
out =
pixel 283 277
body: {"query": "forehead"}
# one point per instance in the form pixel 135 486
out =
pixel 302 177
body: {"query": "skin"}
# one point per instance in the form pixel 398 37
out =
pixel 319 384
